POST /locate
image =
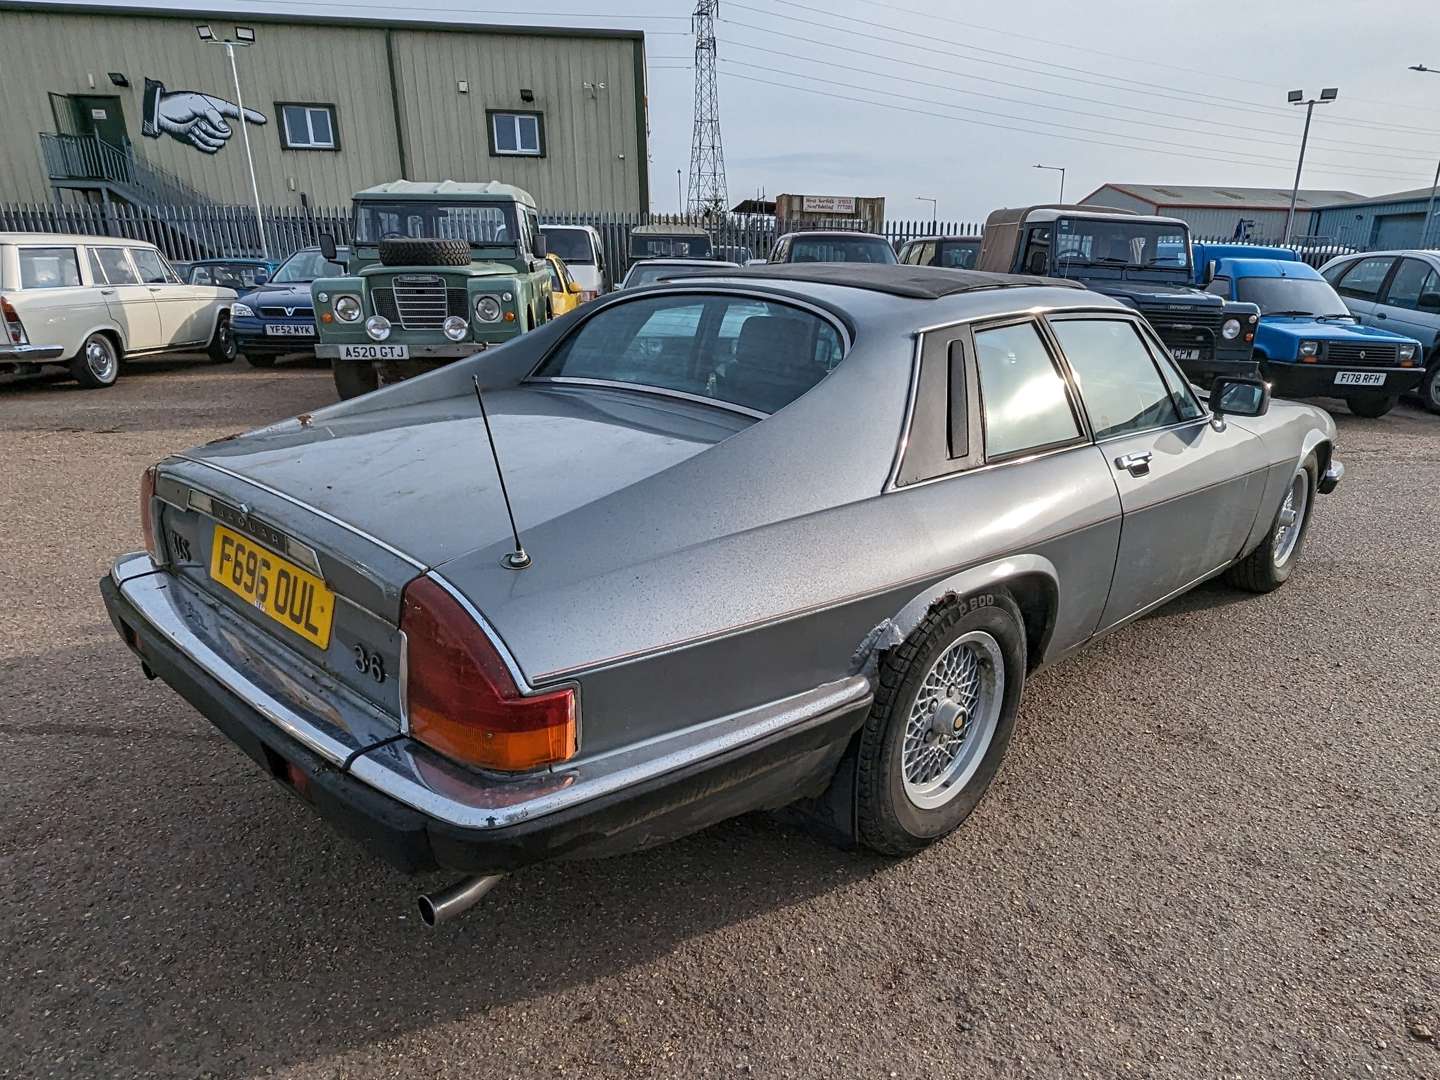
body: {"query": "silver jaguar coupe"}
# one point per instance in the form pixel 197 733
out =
pixel 791 534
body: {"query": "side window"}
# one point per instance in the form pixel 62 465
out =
pixel 1220 285
pixel 1411 284
pixel 96 270
pixel 1023 397
pixel 118 270
pixel 153 269
pixel 1037 251
pixel 1363 280
pixel 1119 385
pixel 48 267
pixel 1332 273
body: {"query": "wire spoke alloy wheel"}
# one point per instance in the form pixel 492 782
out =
pixel 1292 518
pixel 100 359
pixel 953 719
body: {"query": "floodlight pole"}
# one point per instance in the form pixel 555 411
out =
pixel 245 138
pixel 1297 97
pixel 1061 170
pixel 1429 225
pixel 934 211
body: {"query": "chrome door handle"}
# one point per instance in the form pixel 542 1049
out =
pixel 107 292
pixel 1137 464
pixel 153 288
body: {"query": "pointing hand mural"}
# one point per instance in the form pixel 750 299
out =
pixel 192 117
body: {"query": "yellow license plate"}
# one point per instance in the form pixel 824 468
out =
pixel 294 598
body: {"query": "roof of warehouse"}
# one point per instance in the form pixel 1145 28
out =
pixel 1413 195
pixel 53 7
pixel 1198 196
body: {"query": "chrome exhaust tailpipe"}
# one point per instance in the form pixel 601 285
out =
pixel 452 902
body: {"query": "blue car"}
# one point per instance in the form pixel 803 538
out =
pixel 1307 344
pixel 278 317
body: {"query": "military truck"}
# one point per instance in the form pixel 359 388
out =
pixel 1141 260
pixel 437 271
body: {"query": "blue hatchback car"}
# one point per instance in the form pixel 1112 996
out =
pixel 1306 343
pixel 279 317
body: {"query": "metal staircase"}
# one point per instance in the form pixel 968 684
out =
pixel 89 163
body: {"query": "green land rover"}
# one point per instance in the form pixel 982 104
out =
pixel 437 271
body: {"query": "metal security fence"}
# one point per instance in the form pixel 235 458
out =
pixel 185 233
pixel 198 232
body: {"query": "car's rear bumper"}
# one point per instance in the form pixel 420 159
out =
pixel 30 354
pixel 418 811
pixel 1318 380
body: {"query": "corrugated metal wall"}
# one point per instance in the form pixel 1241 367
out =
pixel 1108 196
pixel 593 159
pixel 1392 224
pixel 595 142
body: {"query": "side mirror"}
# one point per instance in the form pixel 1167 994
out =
pixel 1210 268
pixel 261 278
pixel 542 246
pixel 1429 301
pixel 328 249
pixel 1239 397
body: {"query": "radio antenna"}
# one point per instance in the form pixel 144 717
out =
pixel 518 559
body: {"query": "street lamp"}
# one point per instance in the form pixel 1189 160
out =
pixel 934 218
pixel 244 36
pixel 1297 97
pixel 1429 209
pixel 1055 168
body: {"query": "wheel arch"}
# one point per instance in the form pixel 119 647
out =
pixel 1031 579
pixel 110 330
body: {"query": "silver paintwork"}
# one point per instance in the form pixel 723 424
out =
pixel 705 578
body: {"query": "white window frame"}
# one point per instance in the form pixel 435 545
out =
pixel 513 119
pixel 310 143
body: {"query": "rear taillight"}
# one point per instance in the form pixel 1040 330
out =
pixel 147 512
pixel 14 328
pixel 461 700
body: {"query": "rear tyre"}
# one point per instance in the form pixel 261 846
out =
pixel 97 364
pixel 1270 565
pixel 261 360
pixel 354 378
pixel 1430 388
pixel 1372 406
pixel 941 722
pixel 222 348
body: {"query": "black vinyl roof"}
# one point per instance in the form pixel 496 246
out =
pixel 912 282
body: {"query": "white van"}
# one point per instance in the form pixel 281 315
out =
pixel 87 302
pixel 580 248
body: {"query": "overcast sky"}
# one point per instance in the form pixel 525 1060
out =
pixel 959 100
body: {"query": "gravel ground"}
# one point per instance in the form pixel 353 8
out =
pixel 1212 852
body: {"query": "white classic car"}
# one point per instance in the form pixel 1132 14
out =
pixel 86 302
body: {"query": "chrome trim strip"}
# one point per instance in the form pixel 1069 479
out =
pixel 892 481
pixel 203 502
pixel 479 801
pixel 646 388
pixel 347 526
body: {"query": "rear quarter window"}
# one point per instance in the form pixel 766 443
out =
pixel 48 268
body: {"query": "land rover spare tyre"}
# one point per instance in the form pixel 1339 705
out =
pixel 407 251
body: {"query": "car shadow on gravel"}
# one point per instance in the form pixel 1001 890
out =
pixel 208 923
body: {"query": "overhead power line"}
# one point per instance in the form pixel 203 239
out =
pixel 1074 74
pixel 1228 159
pixel 1252 135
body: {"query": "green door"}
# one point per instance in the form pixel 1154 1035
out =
pixel 99 115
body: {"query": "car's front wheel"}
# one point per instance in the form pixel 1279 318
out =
pixel 941 722
pixel 1372 406
pixel 353 378
pixel 1270 565
pixel 97 364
